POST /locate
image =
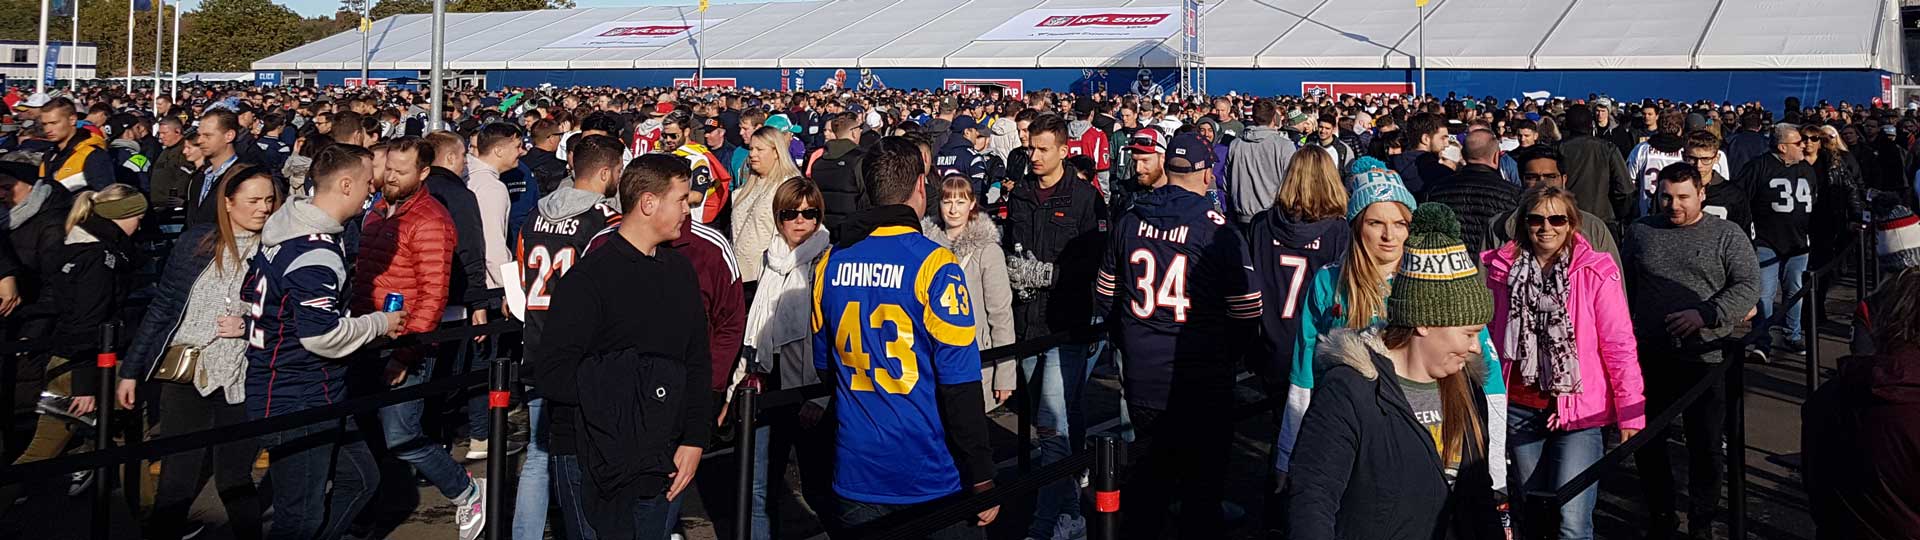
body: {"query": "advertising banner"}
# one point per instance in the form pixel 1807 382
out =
pixel 1010 87
pixel 266 78
pixel 621 34
pixel 709 82
pixel 50 66
pixel 1356 88
pixel 1088 24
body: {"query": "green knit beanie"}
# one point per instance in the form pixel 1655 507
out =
pixel 1438 284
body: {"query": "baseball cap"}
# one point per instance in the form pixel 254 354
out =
pixel 963 123
pixel 781 122
pixel 1148 140
pixel 1603 101
pixel 661 109
pixel 117 124
pixel 1188 154
pixel 1083 106
pixel 1295 117
pixel 35 101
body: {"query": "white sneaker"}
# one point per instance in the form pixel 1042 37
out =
pixel 1070 528
pixel 476 449
pixel 471 515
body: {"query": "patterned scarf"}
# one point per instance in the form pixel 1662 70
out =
pixel 1539 330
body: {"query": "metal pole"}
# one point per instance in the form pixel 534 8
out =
pixel 1421 25
pixel 744 409
pixel 365 13
pixel 105 360
pixel 1809 321
pixel 40 75
pixel 73 62
pixel 1737 443
pixel 439 58
pixel 499 399
pixel 129 47
pixel 173 71
pixel 1105 480
pixel 700 59
pixel 159 35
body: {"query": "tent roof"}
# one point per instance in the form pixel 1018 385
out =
pixel 1460 34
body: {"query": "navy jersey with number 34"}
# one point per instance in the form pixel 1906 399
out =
pixel 1178 280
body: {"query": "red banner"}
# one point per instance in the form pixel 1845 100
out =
pixel 1103 19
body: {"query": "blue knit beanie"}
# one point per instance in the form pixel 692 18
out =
pixel 1376 187
pixel 1364 164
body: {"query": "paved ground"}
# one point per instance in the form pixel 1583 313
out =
pixel 1777 507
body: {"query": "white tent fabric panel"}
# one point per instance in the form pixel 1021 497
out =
pixel 1236 31
pixel 743 22
pixel 766 50
pixel 1627 34
pixel 1481 34
pixel 1790 34
pixel 1011 54
pixel 624 57
pixel 845 47
pixel 290 58
pixel 479 37
pixel 508 45
pixel 1344 34
pixel 928 45
pixel 533 55
pixel 418 53
pixel 347 56
pixel 1115 53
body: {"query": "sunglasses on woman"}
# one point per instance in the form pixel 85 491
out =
pixel 812 214
pixel 1536 220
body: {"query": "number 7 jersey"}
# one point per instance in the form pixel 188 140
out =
pixel 1177 284
pixel 892 320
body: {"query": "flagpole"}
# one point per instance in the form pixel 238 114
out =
pixel 130 47
pixel 1421 25
pixel 366 27
pixel 438 121
pixel 40 78
pixel 174 68
pixel 73 71
pixel 159 35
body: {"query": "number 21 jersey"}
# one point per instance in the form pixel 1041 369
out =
pixel 553 238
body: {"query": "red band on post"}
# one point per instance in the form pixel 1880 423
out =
pixel 106 360
pixel 499 399
pixel 1106 502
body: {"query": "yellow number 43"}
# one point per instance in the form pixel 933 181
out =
pixel 955 300
pixel 847 342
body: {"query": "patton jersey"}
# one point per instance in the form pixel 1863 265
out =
pixel 893 321
pixel 293 290
pixel 548 247
pixel 1182 279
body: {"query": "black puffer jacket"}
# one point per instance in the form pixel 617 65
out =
pixel 1476 193
pixel 1065 231
pixel 88 279
pixel 468 286
pixel 1366 469
pixel 32 242
pixel 837 171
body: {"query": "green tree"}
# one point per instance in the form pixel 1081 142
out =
pixel 483 6
pixel 228 35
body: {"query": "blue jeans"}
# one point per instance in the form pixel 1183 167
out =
pixel 401 424
pixel 530 498
pixel 470 357
pixel 304 460
pixel 566 487
pixel 1558 456
pixel 1058 425
pixel 854 513
pixel 762 439
pixel 647 518
pixel 1775 271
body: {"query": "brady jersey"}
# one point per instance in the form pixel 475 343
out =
pixel 893 321
pixel 547 248
pixel 293 291
pixel 1184 287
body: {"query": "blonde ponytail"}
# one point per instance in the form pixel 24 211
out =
pixel 84 202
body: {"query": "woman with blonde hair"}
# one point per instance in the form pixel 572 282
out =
pixel 1841 203
pixel 1566 344
pixel 87 278
pixel 1401 440
pixel 1305 229
pixel 753 224
pixel 196 312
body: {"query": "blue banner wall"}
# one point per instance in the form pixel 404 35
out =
pixel 1767 86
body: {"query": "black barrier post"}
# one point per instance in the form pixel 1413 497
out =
pixel 106 360
pixel 1737 439
pixel 499 399
pixel 1810 328
pixel 1023 422
pixel 744 409
pixel 1105 481
pixel 1864 281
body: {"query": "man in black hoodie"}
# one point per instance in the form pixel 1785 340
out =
pixel 1477 192
pixel 836 169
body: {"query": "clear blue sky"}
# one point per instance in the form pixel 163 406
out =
pixel 313 8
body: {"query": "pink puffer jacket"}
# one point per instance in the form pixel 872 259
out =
pixel 1611 387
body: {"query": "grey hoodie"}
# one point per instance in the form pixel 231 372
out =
pixel 568 201
pixel 1256 166
pixel 299 219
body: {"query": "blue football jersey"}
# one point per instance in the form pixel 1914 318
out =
pixel 893 321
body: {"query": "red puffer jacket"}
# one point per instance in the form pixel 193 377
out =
pixel 409 252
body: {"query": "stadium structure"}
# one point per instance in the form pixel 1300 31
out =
pixel 1721 50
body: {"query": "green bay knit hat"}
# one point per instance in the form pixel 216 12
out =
pixel 1438 284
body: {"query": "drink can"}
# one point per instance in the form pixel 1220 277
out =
pixel 395 302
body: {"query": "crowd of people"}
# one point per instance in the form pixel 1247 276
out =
pixel 1459 300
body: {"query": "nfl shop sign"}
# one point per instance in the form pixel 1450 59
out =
pixel 1088 24
pixel 632 34
pixel 1356 88
pixel 356 82
pixel 1009 87
pixel 709 82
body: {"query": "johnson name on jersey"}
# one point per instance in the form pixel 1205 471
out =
pixel 893 321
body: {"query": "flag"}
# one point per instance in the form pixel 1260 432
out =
pixel 703 6
pixel 1420 3
pixel 63 8
pixel 366 25
pixel 142 5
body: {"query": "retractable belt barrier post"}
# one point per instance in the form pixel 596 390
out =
pixel 499 401
pixel 106 360
pixel 1810 326
pixel 1105 480
pixel 744 408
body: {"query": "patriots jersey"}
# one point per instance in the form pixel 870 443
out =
pixel 1179 282
pixel 547 248
pixel 893 321
pixel 293 291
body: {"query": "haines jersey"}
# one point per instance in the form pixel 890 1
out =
pixel 553 238
pixel 892 319
pixel 1185 289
